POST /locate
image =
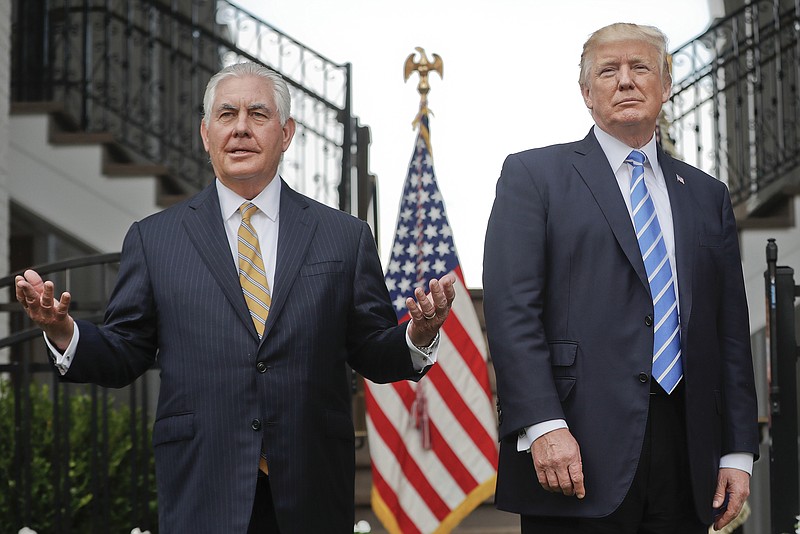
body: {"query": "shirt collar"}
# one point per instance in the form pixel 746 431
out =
pixel 267 201
pixel 617 152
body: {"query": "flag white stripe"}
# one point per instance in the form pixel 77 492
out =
pixel 459 440
pixel 466 384
pixel 386 464
pixel 436 474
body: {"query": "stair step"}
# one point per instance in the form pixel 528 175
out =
pixel 134 169
pixel 81 138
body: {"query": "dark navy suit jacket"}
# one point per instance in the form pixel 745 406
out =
pixel 222 391
pixel 566 303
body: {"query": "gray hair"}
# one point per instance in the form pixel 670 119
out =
pixel 280 89
pixel 623 31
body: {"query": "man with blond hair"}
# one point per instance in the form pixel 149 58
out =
pixel 617 320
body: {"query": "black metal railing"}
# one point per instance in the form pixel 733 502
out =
pixel 74 458
pixel 138 69
pixel 735 109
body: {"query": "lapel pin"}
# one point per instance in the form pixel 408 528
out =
pixel 680 179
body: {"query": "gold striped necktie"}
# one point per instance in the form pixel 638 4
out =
pixel 253 278
pixel 252 275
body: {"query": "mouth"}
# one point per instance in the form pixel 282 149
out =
pixel 240 152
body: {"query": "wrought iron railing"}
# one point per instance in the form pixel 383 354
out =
pixel 138 69
pixel 68 470
pixel 735 109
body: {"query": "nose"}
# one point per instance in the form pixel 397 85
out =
pixel 241 128
pixel 625 78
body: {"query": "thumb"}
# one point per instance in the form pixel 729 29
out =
pixel 719 494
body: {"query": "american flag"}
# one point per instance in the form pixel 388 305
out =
pixel 433 443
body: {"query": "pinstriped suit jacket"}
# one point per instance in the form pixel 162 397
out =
pixel 178 299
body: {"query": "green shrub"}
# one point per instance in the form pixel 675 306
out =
pixel 83 507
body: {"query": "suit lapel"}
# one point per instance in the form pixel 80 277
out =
pixel 683 221
pixel 295 232
pixel 592 165
pixel 203 223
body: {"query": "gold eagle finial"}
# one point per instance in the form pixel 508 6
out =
pixel 423 67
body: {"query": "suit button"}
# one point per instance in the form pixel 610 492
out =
pixel 261 367
pixel 255 425
pixel 643 378
pixel 648 320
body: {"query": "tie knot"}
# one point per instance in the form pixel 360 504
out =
pixel 247 209
pixel 636 157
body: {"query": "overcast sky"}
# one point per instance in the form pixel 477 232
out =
pixel 510 83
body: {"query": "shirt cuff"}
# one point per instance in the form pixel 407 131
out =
pixel 738 460
pixel 422 357
pixel 63 360
pixel 531 433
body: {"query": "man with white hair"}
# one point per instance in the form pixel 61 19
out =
pixel 256 301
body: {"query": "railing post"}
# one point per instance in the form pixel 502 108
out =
pixel 781 292
pixel 345 184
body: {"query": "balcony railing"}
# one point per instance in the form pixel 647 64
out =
pixel 735 109
pixel 75 458
pixel 138 69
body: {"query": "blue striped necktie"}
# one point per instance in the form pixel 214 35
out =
pixel 667 366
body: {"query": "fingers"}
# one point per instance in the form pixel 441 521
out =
pixel 38 298
pixel 735 484
pixel 576 475
pixel 557 461
pixel 428 312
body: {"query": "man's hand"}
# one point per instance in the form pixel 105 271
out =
pixel 428 312
pixel 736 484
pixel 557 460
pixel 36 297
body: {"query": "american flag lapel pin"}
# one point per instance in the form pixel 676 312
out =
pixel 680 179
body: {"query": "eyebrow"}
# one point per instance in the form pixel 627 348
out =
pixel 251 107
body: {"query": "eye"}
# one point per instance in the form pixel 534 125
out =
pixel 226 115
pixel 259 115
pixel 606 72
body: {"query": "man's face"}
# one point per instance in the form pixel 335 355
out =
pixel 244 137
pixel 625 89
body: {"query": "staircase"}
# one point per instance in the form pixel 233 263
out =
pixel 80 182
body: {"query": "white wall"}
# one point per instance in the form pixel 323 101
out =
pixel 65 187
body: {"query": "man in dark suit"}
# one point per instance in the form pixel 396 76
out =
pixel 254 361
pixel 617 320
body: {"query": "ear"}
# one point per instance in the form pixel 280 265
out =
pixel 667 90
pixel 288 133
pixel 204 133
pixel 586 93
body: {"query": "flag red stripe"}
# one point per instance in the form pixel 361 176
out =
pixel 413 473
pixel 463 343
pixel 450 460
pixel 439 444
pixel 453 464
pixel 465 416
pixel 390 498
